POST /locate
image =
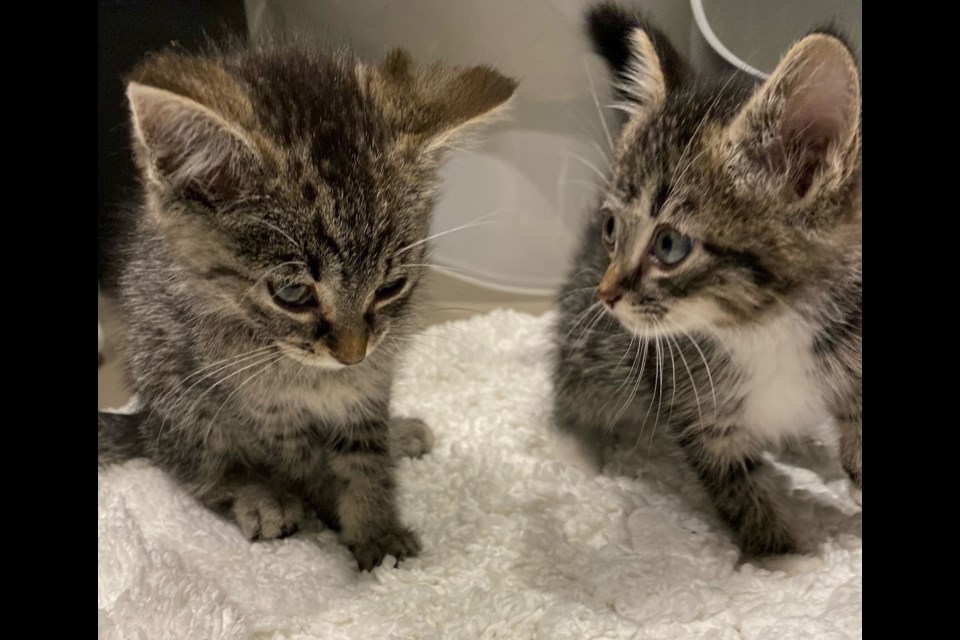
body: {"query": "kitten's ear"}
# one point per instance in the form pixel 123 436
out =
pixel 183 144
pixel 436 104
pixel 802 126
pixel 645 65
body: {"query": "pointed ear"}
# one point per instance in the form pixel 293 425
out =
pixel 182 143
pixel 436 104
pixel 802 126
pixel 645 65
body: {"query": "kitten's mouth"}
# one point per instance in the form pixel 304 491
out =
pixel 652 320
pixel 327 361
pixel 647 320
pixel 303 356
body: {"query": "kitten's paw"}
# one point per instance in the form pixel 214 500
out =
pixel 410 437
pixel 792 564
pixel 768 542
pixel 265 515
pixel 401 543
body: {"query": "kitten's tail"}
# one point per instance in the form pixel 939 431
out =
pixel 118 438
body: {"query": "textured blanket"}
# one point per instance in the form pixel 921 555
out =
pixel 522 539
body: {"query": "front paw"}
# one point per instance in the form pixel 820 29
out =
pixel 401 543
pixel 410 437
pixel 767 539
pixel 265 515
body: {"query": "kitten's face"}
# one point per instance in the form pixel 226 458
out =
pixel 326 273
pixel 296 188
pixel 684 253
pixel 726 203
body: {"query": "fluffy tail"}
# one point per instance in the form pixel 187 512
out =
pixel 118 438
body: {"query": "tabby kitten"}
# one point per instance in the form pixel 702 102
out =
pixel 274 278
pixel 728 249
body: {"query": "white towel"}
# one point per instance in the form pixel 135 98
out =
pixel 521 540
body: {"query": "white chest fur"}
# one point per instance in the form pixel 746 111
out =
pixel 778 380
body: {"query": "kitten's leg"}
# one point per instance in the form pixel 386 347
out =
pixel 735 476
pixel 410 437
pixel 847 409
pixel 851 453
pixel 366 506
pixel 262 512
pixel 261 509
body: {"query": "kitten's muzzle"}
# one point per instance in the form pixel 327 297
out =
pixel 349 346
pixel 610 289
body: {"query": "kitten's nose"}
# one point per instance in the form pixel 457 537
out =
pixel 610 297
pixel 609 290
pixel 350 347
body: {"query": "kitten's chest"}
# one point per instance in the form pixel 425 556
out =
pixel 328 400
pixel 775 380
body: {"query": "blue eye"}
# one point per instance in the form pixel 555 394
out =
pixel 670 246
pixel 293 296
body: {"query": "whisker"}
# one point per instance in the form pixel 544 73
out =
pixel 656 419
pixel 227 377
pixel 693 382
pixel 258 354
pixel 636 385
pixel 706 365
pixel 596 102
pixel 230 360
pixel 482 220
pixel 269 365
pixel 673 376
pixel 580 317
pixel 574 156
pixel 617 392
pixel 706 323
pixel 590 326
pixel 567 294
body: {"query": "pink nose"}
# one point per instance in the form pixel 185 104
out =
pixel 610 296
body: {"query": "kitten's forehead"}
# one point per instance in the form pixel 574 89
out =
pixel 660 152
pixel 343 194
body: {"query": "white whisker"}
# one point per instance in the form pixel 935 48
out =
pixel 269 365
pixel 693 382
pixel 482 220
pixel 596 102
pixel 706 365
pixel 574 156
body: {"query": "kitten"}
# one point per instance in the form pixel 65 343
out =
pixel 275 274
pixel 728 249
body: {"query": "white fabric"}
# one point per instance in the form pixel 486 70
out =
pixel 519 541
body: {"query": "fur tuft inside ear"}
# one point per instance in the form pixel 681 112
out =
pixel 183 143
pixel 802 126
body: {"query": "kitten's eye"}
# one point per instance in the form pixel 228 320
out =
pixel 609 229
pixel 390 289
pixel 670 246
pixel 294 296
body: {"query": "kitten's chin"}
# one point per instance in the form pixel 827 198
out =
pixel 674 321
